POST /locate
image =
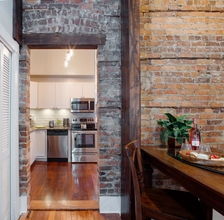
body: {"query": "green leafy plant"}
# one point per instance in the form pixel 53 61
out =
pixel 58 121
pixel 177 128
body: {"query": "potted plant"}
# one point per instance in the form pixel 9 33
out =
pixel 175 129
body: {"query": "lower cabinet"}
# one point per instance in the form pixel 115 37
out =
pixel 41 145
pixel 38 146
pixel 32 148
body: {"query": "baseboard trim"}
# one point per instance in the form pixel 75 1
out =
pixel 217 215
pixel 110 204
pixel 23 204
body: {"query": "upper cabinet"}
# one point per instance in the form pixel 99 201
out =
pixel 33 94
pixel 58 95
pixel 88 90
pixel 54 95
pixel 82 90
pixel 62 95
pixel 51 62
pixel 46 95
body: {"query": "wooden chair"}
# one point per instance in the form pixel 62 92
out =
pixel 159 204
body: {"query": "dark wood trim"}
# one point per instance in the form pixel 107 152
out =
pixel 17 21
pixel 130 60
pixel 63 41
pixel 131 110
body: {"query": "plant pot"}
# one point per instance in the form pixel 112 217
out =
pixel 172 143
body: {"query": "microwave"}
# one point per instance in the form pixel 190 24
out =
pixel 83 105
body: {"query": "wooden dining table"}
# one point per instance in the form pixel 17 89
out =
pixel 208 186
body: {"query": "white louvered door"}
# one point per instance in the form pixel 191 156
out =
pixel 5 69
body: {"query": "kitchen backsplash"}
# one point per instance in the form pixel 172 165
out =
pixel 41 117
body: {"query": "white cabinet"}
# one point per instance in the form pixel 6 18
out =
pixel 82 90
pixel 88 90
pixel 54 95
pixel 32 147
pixel 62 95
pixel 58 95
pixel 38 146
pixel 46 95
pixel 41 145
pixel 33 94
pixel 76 90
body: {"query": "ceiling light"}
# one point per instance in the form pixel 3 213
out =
pixel 68 56
pixel 66 63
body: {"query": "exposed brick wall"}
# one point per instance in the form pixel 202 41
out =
pixel 86 17
pixel 182 67
pixel 109 151
pixel 24 126
pixel 182 83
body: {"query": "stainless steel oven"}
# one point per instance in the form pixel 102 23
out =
pixel 84 142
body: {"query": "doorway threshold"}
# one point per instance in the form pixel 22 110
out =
pixel 64 205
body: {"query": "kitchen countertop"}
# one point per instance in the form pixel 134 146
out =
pixel 48 128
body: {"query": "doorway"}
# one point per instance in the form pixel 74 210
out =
pixel 58 184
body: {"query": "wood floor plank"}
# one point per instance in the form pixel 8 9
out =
pixel 57 215
pixel 68 215
pixel 51 215
pixel 45 215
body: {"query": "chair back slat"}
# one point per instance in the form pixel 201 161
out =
pixel 137 196
pixel 139 167
pixel 135 153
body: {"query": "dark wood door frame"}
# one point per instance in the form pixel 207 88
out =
pixel 63 41
pixel 131 110
pixel 17 21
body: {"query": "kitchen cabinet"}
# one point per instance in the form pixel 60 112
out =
pixel 54 95
pixel 46 95
pixel 82 90
pixel 32 147
pixel 33 94
pixel 58 95
pixel 41 145
pixel 38 146
pixel 62 95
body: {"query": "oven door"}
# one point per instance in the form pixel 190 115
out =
pixel 84 146
pixel 84 141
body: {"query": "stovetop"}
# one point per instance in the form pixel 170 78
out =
pixel 89 124
pixel 83 120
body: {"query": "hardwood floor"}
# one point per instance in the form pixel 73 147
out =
pixel 64 186
pixel 64 191
pixel 68 215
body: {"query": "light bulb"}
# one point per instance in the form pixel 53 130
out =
pixel 66 63
pixel 71 52
pixel 68 57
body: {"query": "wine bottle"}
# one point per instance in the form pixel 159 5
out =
pixel 194 136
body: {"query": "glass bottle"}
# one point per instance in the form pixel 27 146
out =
pixel 194 136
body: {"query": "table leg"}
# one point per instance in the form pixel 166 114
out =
pixel 207 210
pixel 148 175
